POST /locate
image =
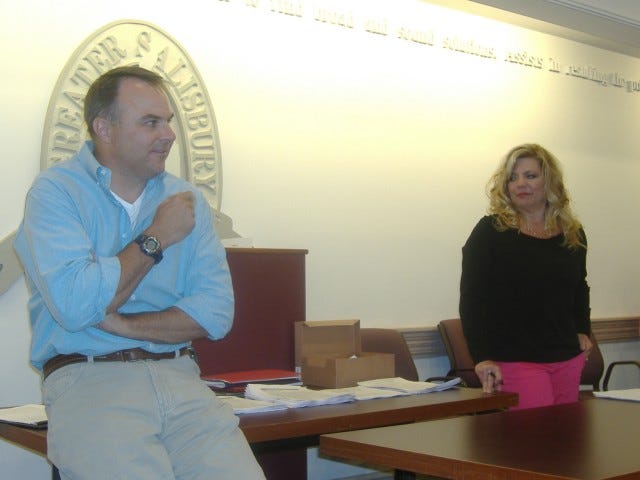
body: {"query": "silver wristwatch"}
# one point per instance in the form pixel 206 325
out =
pixel 150 246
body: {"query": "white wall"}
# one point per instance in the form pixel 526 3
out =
pixel 368 150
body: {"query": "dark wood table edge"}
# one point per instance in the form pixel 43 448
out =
pixel 291 428
pixel 33 439
pixel 285 426
pixel 406 467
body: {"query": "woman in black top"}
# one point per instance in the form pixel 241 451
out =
pixel 524 298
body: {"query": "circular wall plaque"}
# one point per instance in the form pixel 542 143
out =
pixel 195 155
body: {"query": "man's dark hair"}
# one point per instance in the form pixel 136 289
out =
pixel 100 100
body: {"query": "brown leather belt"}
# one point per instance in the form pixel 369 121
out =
pixel 130 355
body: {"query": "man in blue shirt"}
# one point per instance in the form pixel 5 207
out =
pixel 124 269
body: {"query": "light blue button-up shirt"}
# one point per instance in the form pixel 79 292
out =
pixel 73 228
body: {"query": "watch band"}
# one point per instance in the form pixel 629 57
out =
pixel 150 246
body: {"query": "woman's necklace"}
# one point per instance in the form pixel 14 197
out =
pixel 537 231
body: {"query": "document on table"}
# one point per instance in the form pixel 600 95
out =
pixel 244 377
pixel 627 394
pixel 30 415
pixel 295 396
pixel 408 387
pixel 368 393
pixel 242 405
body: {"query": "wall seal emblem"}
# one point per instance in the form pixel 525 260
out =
pixel 196 153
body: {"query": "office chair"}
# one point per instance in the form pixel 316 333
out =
pixel 389 340
pixel 612 365
pixel 460 361
pixel 462 364
pixel 593 368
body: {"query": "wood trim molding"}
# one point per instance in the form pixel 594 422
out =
pixel 426 342
pixel 618 329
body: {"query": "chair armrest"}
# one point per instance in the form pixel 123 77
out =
pixel 605 383
pixel 446 379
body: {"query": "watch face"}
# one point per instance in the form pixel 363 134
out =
pixel 151 244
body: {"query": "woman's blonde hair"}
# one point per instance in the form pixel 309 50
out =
pixel 557 213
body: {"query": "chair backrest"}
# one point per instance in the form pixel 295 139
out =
pixel 612 365
pixel 462 364
pixel 593 368
pixel 460 361
pixel 389 340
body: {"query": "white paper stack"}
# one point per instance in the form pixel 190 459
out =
pixel 632 394
pixel 294 396
pixel 408 387
pixel 368 393
pixel 242 405
pixel 31 415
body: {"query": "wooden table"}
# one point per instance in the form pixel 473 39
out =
pixel 300 428
pixel 589 440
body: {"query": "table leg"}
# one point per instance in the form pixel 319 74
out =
pixel 403 475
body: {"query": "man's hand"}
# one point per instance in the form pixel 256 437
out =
pixel 110 323
pixel 174 219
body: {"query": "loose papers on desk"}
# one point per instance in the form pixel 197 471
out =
pixel 408 387
pixel 31 415
pixel 296 396
pixel 299 396
pixel 239 379
pixel 242 405
pixel 367 393
pixel 627 394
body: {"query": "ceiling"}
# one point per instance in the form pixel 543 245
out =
pixel 610 24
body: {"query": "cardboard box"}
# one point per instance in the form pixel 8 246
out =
pixel 328 354
pixel 326 337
